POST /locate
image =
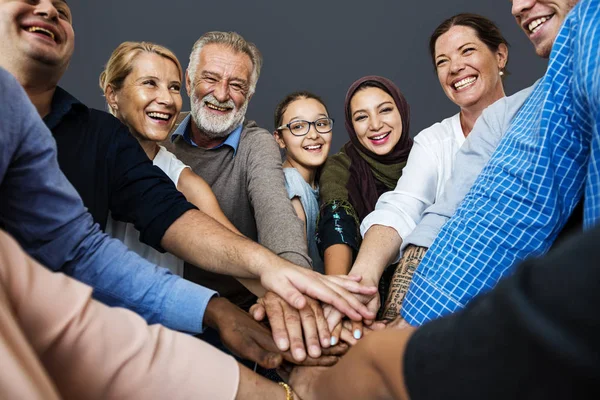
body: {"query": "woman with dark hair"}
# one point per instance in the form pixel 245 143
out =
pixel 469 55
pixel 303 129
pixel 377 121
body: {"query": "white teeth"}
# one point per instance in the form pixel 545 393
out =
pixel 215 107
pixel 316 147
pixel 159 115
pixel 463 83
pixel 38 29
pixel 380 136
pixel 535 25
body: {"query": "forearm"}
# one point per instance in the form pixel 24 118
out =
pixel 254 286
pixel 378 250
pixel 401 280
pixel 121 278
pixel 255 387
pixel 202 241
pixel 372 369
pixel 338 259
pixel 93 351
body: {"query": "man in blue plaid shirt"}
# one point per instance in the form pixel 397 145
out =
pixel 545 164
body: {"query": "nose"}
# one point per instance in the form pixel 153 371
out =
pixel 46 9
pixel 520 6
pixel 165 96
pixel 312 132
pixel 456 65
pixel 375 123
pixel 221 91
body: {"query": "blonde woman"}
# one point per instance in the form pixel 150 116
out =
pixel 142 86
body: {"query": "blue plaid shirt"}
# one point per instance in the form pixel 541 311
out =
pixel 525 194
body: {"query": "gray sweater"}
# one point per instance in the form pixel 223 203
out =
pixel 251 191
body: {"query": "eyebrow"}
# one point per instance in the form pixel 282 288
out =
pixel 379 105
pixel 466 44
pixel 141 78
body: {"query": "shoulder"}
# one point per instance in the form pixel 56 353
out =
pixel 438 132
pixel 255 135
pixel 294 183
pixel 104 122
pixel 164 158
pixel 336 161
pixel 292 174
pixel 508 105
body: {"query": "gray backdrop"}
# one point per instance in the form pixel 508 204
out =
pixel 321 46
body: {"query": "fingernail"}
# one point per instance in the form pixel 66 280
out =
pixel 357 334
pixel 333 340
pixel 325 343
pixel 299 354
pixel 282 344
pixel 314 351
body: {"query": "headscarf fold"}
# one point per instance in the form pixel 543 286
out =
pixel 370 174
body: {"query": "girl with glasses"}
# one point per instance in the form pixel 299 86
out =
pixel 303 129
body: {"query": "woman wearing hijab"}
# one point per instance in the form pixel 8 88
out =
pixel 377 121
pixel 469 55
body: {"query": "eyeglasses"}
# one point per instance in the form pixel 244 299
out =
pixel 301 128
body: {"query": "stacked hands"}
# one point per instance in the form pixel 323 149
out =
pixel 307 319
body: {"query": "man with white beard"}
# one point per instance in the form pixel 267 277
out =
pixel 239 160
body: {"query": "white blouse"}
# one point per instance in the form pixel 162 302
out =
pixel 428 168
pixel 127 233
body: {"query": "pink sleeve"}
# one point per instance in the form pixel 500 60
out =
pixel 92 351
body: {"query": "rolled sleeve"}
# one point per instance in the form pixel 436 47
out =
pixel 416 190
pixel 141 193
pixel 184 308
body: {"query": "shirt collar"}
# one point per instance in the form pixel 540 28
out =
pixel 185 130
pixel 62 103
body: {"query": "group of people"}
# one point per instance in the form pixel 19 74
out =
pixel 321 267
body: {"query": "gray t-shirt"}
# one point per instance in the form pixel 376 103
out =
pixel 296 186
pixel 470 160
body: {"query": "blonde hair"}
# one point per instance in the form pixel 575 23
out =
pixel 120 63
pixel 234 41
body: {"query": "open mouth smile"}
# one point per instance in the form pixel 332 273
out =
pixel 161 117
pixel 217 108
pixel 44 31
pixel 313 147
pixel 536 24
pixel 464 83
pixel 380 137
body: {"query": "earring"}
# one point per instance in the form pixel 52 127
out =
pixel 501 73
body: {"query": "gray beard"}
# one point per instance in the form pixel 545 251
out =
pixel 216 126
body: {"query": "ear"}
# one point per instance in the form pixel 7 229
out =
pixel 188 82
pixel 112 98
pixel 279 139
pixel 502 55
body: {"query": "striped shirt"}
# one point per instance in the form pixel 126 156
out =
pixel 525 194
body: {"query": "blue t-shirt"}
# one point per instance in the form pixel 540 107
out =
pixel 296 186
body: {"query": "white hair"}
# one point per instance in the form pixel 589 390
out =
pixel 234 41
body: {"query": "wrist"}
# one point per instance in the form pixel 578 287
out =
pixel 369 277
pixel 289 393
pixel 214 310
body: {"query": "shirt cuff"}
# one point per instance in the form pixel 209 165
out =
pixel 185 306
pixel 403 226
pixel 425 302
